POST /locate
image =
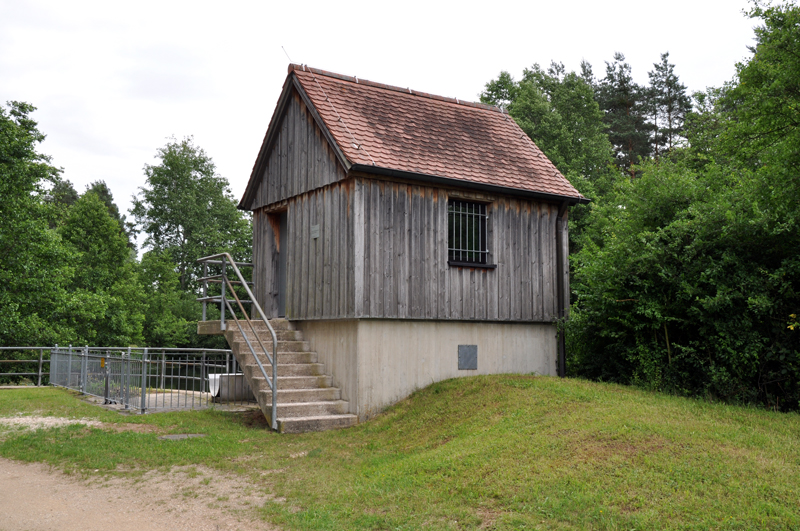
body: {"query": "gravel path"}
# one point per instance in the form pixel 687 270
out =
pixel 34 497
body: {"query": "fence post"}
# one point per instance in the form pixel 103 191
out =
pixel 126 375
pixel 163 368
pixel 41 353
pixel 144 381
pixel 54 366
pixel 84 368
pixel 69 367
pixel 107 373
pixel 203 378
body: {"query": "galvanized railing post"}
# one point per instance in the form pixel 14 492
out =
pixel 69 367
pixel 107 372
pixel 163 368
pixel 39 383
pixel 84 368
pixel 126 376
pixel 203 376
pixel 144 381
pixel 54 365
pixel 222 296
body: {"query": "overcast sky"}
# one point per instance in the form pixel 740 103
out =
pixel 113 81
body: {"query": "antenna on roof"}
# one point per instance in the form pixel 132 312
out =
pixel 287 54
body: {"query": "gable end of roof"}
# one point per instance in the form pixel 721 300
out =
pixel 290 85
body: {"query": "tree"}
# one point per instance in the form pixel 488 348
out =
pixel 692 280
pixel 104 193
pixel 187 210
pixel 581 142
pixel 171 312
pixel 105 278
pixel 35 266
pixel 764 114
pixel 500 92
pixel 624 104
pixel 557 110
pixel 669 105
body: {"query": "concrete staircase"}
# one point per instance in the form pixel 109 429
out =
pixel 306 400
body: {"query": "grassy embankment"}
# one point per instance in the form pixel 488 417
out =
pixel 504 452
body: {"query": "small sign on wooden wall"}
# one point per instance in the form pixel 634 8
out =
pixel 314 232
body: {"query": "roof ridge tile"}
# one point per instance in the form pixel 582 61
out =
pixel 403 130
pixel 407 90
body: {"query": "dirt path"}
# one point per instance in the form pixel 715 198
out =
pixel 34 497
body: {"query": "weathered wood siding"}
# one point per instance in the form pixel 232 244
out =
pixel 300 159
pixel 382 253
pixel 319 271
pixel 405 270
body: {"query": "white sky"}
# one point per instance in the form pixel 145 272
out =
pixel 112 81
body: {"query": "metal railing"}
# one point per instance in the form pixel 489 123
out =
pixel 151 379
pixel 227 291
pixel 39 361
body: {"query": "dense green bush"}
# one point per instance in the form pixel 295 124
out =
pixel 688 278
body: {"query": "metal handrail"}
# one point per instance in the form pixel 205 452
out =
pixel 40 360
pixel 227 260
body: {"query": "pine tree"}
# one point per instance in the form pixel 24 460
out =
pixel 669 105
pixel 624 104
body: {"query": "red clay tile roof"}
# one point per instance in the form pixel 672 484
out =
pixel 400 129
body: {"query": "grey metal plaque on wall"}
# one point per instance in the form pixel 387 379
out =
pixel 468 357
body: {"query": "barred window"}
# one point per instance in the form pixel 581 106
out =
pixel 466 237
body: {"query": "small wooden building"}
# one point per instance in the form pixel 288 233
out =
pixel 411 237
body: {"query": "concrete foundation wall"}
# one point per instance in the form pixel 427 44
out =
pixel 336 342
pixel 378 362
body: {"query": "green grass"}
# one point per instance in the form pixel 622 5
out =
pixel 501 452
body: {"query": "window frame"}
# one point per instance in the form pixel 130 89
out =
pixel 462 249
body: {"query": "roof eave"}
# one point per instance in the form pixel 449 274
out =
pixel 472 185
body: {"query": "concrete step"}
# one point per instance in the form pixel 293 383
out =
pixel 305 409
pixel 294 382
pixel 286 396
pixel 315 423
pixel 213 327
pixel 304 382
pixel 288 369
pixel 247 357
pixel 280 324
pixel 240 345
pixel 266 337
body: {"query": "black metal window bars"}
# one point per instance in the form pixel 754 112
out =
pixel 466 234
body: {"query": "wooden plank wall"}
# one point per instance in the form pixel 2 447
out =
pixel 300 159
pixel 404 272
pixel 405 259
pixel 319 272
